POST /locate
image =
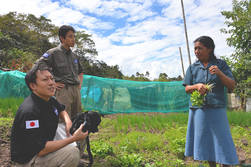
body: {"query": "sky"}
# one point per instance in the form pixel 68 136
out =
pixel 137 35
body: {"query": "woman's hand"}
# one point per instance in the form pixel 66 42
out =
pixel 214 70
pixel 228 82
pixel 201 88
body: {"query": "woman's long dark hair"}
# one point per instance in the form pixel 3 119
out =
pixel 208 43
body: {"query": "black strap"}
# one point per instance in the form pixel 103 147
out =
pixel 89 152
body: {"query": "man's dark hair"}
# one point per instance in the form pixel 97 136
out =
pixel 63 31
pixel 31 75
pixel 208 43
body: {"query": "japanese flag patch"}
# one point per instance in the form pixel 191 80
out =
pixel 32 124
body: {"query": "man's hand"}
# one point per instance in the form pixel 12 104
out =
pixel 59 85
pixel 79 135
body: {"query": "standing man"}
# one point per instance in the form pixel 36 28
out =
pixel 35 124
pixel 66 69
pixel 68 75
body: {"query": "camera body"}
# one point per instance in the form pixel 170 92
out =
pixel 90 119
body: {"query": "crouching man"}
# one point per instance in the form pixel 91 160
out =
pixel 35 126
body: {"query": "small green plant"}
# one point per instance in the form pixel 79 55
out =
pixel 198 99
pixel 101 149
pixel 178 147
pixel 131 160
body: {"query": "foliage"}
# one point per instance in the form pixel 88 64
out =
pixel 198 99
pixel 100 68
pixel 9 106
pixel 163 77
pixel 131 160
pixel 238 23
pixel 148 121
pixel 23 39
pixel 101 149
pixel 242 138
pixel 26 32
pixel 5 125
pixel 239 118
pixel 153 146
pixel 158 145
pixel 6 122
pixel 138 77
pixel 17 59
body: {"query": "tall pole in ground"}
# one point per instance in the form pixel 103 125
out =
pixel 182 63
pixel 188 51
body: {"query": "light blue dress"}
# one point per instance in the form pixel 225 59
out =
pixel 208 133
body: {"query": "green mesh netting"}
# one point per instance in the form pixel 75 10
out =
pixel 110 96
pixel 12 84
pixel 122 96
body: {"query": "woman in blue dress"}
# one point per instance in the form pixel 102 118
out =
pixel 208 132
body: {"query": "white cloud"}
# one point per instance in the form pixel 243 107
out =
pixel 36 7
pixel 65 16
pixel 89 5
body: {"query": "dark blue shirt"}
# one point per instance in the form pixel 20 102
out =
pixel 197 73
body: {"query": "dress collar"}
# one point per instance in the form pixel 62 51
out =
pixel 210 63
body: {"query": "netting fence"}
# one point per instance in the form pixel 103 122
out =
pixel 110 96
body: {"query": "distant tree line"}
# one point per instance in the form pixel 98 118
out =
pixel 163 77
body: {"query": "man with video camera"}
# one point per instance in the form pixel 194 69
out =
pixel 35 124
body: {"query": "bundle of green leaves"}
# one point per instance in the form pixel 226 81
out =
pixel 198 99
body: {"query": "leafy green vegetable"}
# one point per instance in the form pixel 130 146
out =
pixel 198 99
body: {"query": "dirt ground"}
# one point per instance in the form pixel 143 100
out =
pixel 5 148
pixel 5 155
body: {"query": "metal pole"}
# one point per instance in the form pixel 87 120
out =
pixel 188 51
pixel 182 62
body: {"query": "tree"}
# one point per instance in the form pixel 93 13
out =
pixel 163 77
pixel 25 37
pixel 100 68
pixel 147 74
pixel 23 32
pixel 238 22
pixel 84 44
